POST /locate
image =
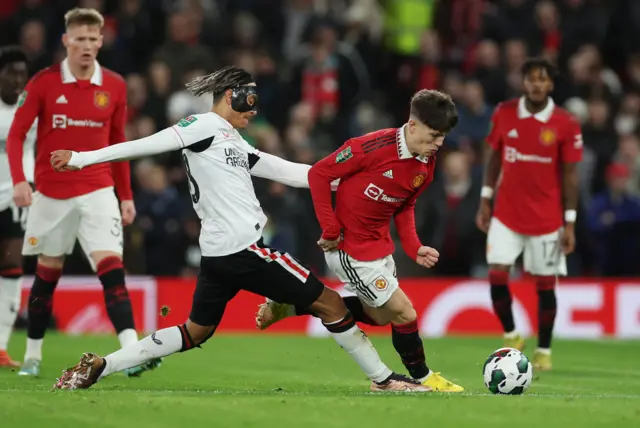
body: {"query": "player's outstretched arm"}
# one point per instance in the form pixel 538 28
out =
pixel 121 170
pixel 277 169
pixel 164 141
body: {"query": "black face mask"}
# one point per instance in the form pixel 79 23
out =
pixel 244 99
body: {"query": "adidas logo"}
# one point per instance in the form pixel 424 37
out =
pixel 388 174
pixel 61 100
pixel 513 133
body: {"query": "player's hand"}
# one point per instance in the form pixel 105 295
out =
pixel 483 217
pixel 327 245
pixel 128 210
pixel 60 159
pixel 568 240
pixel 22 194
pixel 427 256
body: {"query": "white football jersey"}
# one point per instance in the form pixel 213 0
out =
pixel 218 163
pixel 6 184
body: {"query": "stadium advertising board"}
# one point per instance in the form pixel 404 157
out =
pixel 588 309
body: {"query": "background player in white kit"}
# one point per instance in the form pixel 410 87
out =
pixel 219 166
pixel 13 78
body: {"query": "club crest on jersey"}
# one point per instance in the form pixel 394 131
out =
pixel 547 136
pixel 418 180
pixel 344 155
pixel 101 99
pixel 380 283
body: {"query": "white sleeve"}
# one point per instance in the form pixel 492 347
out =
pixel 166 140
pixel 280 170
pixel 272 167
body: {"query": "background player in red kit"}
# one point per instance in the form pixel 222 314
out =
pixel 381 176
pixel 536 146
pixel 78 105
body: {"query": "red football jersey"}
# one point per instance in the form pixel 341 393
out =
pixel 379 179
pixel 73 115
pixel 533 147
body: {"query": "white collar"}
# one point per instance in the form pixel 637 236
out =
pixel 68 77
pixel 403 149
pixel 542 116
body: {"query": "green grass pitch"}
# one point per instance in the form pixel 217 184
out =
pixel 281 381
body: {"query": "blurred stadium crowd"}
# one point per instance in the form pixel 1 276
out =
pixel 331 69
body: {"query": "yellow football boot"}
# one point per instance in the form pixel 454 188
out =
pixel 541 361
pixel 516 342
pixel 437 383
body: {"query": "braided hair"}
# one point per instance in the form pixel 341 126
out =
pixel 219 81
pixel 11 54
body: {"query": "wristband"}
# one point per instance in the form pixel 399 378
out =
pixel 486 192
pixel 570 216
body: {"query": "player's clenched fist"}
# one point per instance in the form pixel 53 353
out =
pixel 60 160
pixel 22 194
pixel 427 256
pixel 328 245
pixel 483 217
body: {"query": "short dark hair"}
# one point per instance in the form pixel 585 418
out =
pixel 539 63
pixel 219 81
pixel 435 109
pixel 11 54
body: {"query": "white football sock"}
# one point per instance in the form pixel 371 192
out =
pixel 160 344
pixel 361 350
pixel 127 337
pixel 422 379
pixel 34 349
pixel 9 308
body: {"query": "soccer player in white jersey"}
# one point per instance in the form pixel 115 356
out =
pixel 13 78
pixel 219 165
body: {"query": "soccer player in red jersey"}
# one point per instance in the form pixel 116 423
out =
pixel 535 146
pixel 82 105
pixel 381 175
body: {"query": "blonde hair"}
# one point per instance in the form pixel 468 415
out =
pixel 83 16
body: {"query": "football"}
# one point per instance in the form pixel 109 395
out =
pixel 507 371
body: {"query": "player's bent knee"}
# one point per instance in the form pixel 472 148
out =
pixel 329 307
pixel 99 256
pixel 55 262
pixel 500 268
pixel 404 316
pixel 545 282
pixel 194 334
pixel 12 256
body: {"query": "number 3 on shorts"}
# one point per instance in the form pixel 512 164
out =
pixel 116 228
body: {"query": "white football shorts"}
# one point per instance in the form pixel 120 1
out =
pixel 53 225
pixel 542 254
pixel 374 282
